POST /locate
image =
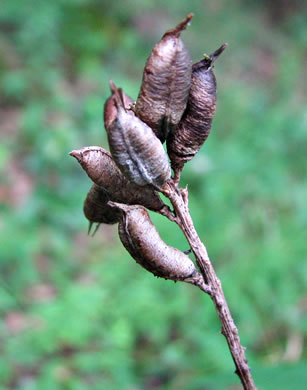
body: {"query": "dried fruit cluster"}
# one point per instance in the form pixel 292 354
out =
pixel 176 104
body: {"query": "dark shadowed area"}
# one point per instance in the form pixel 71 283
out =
pixel 76 311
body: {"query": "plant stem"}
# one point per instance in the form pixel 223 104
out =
pixel 179 200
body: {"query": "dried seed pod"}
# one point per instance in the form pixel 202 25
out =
pixel 142 240
pixel 110 108
pixel 166 83
pixel 136 150
pixel 102 170
pixel 96 208
pixel 186 140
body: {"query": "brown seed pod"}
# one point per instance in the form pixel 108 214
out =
pixel 142 240
pixel 110 108
pixel 166 83
pixel 136 150
pixel 96 208
pixel 102 170
pixel 186 140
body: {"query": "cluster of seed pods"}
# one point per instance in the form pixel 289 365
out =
pixel 176 104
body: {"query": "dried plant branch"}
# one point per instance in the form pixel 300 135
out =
pixel 179 200
pixel 176 104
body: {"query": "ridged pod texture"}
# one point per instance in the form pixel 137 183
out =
pixel 186 140
pixel 102 170
pixel 136 150
pixel 166 82
pixel 142 240
pixel 96 208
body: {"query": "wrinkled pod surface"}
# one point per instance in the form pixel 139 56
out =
pixel 186 140
pixel 135 149
pixel 166 82
pixel 102 170
pixel 142 240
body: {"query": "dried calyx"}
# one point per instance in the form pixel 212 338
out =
pixel 102 170
pixel 96 208
pixel 135 149
pixel 166 83
pixel 142 240
pixel 186 140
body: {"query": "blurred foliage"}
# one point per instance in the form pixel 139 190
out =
pixel 76 312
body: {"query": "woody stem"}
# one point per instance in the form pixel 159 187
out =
pixel 229 329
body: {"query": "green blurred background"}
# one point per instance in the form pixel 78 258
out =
pixel 76 312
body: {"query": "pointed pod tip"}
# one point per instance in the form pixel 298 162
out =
pixel 73 153
pixel 113 87
pixel 77 154
pixel 188 18
pixel 180 26
pixel 118 94
pixel 218 52
pixel 115 90
pixel 223 47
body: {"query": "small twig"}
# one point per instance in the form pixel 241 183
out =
pixel 179 200
pixel 177 174
pixel 166 211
